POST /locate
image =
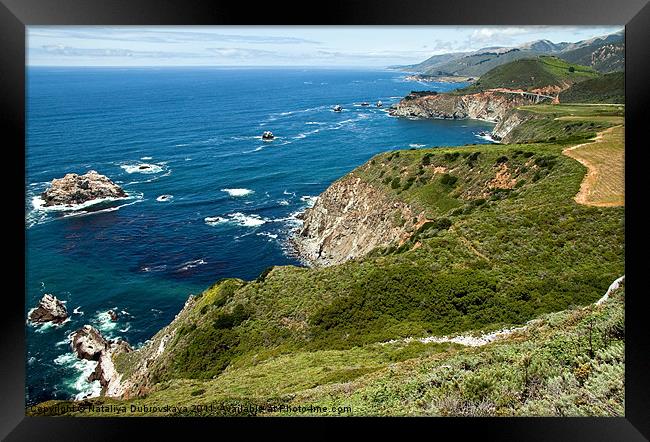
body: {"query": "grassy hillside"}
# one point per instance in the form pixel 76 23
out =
pixel 572 123
pixel 570 363
pixel 610 88
pixel 505 243
pixel 532 73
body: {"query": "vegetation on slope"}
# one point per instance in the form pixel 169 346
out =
pixel 530 74
pixel 610 88
pixel 570 123
pixel 569 363
pixel 505 243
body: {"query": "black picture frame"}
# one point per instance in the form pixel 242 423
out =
pixel 15 15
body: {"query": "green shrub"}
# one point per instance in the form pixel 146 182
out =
pixel 448 180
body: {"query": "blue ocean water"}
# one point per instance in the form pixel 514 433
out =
pixel 233 197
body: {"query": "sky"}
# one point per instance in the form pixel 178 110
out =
pixel 350 46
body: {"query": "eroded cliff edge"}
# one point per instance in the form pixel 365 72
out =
pixel 490 105
pixel 350 219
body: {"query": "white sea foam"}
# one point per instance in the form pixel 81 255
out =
pixel 247 220
pixel 236 218
pixel 271 236
pixel 315 122
pixel 310 200
pixel 191 264
pixel 416 145
pixel 146 168
pixel 289 193
pixel 163 198
pixel 283 202
pixel 146 158
pixel 487 137
pixel 238 192
pixel 257 149
pixel 158 268
pixel 214 220
pixel 76 311
pixel 104 322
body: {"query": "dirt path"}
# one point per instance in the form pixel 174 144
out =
pixel 478 341
pixel 594 171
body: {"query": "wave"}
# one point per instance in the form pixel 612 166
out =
pixel 254 150
pixel 163 198
pixel 315 123
pixel 283 202
pixel 146 168
pixel 237 218
pixel 486 137
pixel 310 200
pixel 38 203
pixel 416 145
pixel 104 323
pixel 238 192
pixel 76 311
pixel 158 268
pixel 146 158
pixel 271 236
pixel 191 264
pixel 84 368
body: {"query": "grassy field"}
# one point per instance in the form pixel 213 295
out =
pixel 604 184
pixel 505 243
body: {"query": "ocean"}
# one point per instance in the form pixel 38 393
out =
pixel 217 201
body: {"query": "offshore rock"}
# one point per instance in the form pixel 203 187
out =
pixel 49 309
pixel 78 189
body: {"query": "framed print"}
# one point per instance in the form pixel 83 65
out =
pixel 377 212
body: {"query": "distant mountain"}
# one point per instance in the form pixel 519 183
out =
pixel 604 54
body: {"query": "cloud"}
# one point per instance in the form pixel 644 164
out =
pixel 68 51
pixel 160 35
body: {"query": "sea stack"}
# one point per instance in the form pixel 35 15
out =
pixel 49 309
pixel 78 189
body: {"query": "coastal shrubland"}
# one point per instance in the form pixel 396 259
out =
pixel 497 240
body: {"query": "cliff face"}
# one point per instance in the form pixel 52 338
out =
pixel 349 220
pixel 489 105
pixel 511 120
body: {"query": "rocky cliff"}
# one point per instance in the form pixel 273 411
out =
pixel 489 105
pixel 503 130
pixel 349 220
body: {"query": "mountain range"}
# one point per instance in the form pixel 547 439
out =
pixel 604 54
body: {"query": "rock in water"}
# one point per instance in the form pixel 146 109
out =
pixel 112 314
pixel 77 189
pixel 88 343
pixel 49 309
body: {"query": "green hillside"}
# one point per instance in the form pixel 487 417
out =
pixel 490 256
pixel 532 73
pixel 610 88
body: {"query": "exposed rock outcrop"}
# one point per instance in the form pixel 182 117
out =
pixel 349 220
pixel 489 105
pixel 49 309
pixel 78 189
pixel 88 343
pixel 512 119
